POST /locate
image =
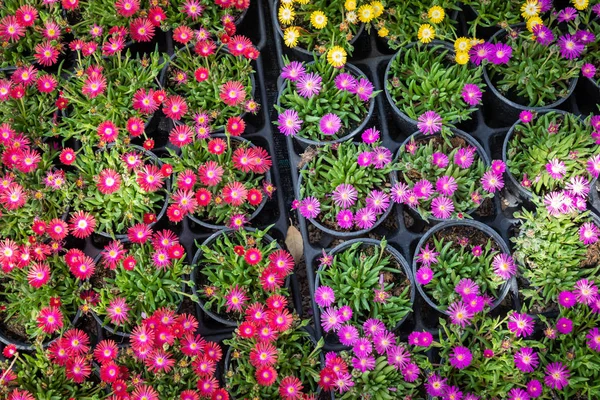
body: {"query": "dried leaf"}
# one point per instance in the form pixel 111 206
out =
pixel 294 243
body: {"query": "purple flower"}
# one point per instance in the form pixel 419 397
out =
pixel 460 357
pixel 593 338
pixel 324 296
pixel 595 122
pixel 382 156
pixel 373 327
pixel 585 37
pixel 330 124
pixel 526 116
pixel 370 136
pixel 585 291
pixel 567 14
pixel 365 218
pixel 543 34
pixel 364 89
pixel 520 324
pixel 310 207
pixel 429 123
pixel 517 394
pixel 426 339
pixel 330 320
pixel 471 396
pixel 378 201
pixel 464 157
pixel 343 382
pixel 474 303
pixel 554 202
pixel 500 54
pixel 345 219
pixel 383 341
pixel 488 353
pixel 309 85
pixel 436 386
pixel 593 165
pixel 467 287
pixel 289 123
pixel 596 9
pixel 411 199
pixel 460 314
pixel 504 266
pixel 556 168
pixel 498 166
pixel 344 195
pixel 363 364
pixel 534 388
pixel 440 160
pixel 424 275
pixel 423 189
pixel 557 376
pixel 399 192
pixel 411 372
pixel 398 356
pixel 446 185
pixel 427 256
pixel 578 186
pixel 365 159
pixel 492 182
pixel 348 335
pixel 293 71
pixel 476 251
pixel 588 233
pixel 345 313
pixel 362 347
pixel 566 299
pixel 471 94
pixel 345 81
pixel 442 207
pixel 526 359
pixel 480 52
pixel 564 325
pixel 569 47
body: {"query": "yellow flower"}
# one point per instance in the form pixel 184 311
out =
pixel 436 14
pixel 350 5
pixel 351 17
pixel 336 56
pixel 377 8
pixel 318 19
pixel 581 4
pixel 302 1
pixel 291 35
pixel 383 32
pixel 462 57
pixel 531 22
pixel 426 33
pixel 286 15
pixel 531 8
pixel 462 44
pixel 474 41
pixel 366 13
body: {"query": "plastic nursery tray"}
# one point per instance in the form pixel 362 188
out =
pixel 403 228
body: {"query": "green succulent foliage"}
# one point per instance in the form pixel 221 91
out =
pixel 550 255
pixel 118 211
pixel 550 136
pixel 347 106
pixel 203 97
pixel 414 167
pixel 456 262
pixel 493 13
pixel 297 355
pixel 23 302
pixel 223 269
pixel 211 17
pixel 357 272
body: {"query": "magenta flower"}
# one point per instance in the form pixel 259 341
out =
pixel 460 314
pixel 365 218
pixel 442 207
pixel 569 47
pixel 464 157
pixel 399 192
pixel 593 338
pixel 593 166
pixel 566 299
pixel 429 123
pixel 324 296
pixel 345 313
pixel 365 159
pixel 362 347
pixel 424 275
pixel 236 298
pixel 526 116
pixel 378 201
pixel 534 388
pixel 330 124
pixel 543 34
pixel 364 89
pixel 564 326
pixel 363 364
pixel 373 327
pixel 595 122
pixel 345 219
pixel 557 376
pixel 398 356
pixel 382 156
pixel 309 85
pixel 345 81
pixel 293 71
pixel 370 136
pixel 475 303
pixel 348 335
pixel 480 52
pixel 467 287
pixel 440 160
pixel 446 185
pixel 526 359
pixel 436 385
pixel 555 202
pixel 500 54
pixel 585 37
pixel 517 394
pixel 427 256
pixel 383 341
pixel 585 291
pixel 310 207
pixel 498 166
pixel 588 70
pixel 471 94
pixel 330 320
pixel 588 233
pixel 556 168
pixel 460 357
pixel 520 324
pixel 504 266
pixel 578 186
pixel 411 372
pixel 344 195
pixel 289 123
pixel 567 14
pixel 596 9
pixel 423 189
pixel 492 181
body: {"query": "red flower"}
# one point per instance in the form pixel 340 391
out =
pixel 82 224
pixel 182 34
pixel 247 330
pixel 181 135
pixel 205 48
pixel 107 131
pixel 175 213
pixel 201 74
pixel 70 4
pixel 254 197
pixel 67 156
pixel 150 178
pixel 141 30
pixel 233 93
pixel 290 388
pixel 270 279
pixel 127 8
pixel 58 229
pixel 148 144
pixel 203 197
pixel 144 102
pixel 26 15
pixel 50 319
pixel 156 16
pixel 175 107
pixel 239 250
pixel 9 351
pixel 109 372
pixel 253 256
pixel 109 181
pixel 166 169
pixel 129 263
pixel 62 103
pixel 217 146
pixel 236 126
pixel 78 369
pixel 135 126
pixel 266 376
pixel 149 218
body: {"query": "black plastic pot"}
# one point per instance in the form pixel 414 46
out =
pixel 305 142
pixel 503 247
pixel 366 242
pixel 267 176
pixel 349 234
pixel 406 124
pixel 507 111
pixel 468 138
pixel 196 272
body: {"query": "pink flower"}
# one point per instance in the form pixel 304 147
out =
pixel 526 116
pixel 588 233
pixel 440 160
pixel 588 70
pixel 526 359
pixel 460 357
pixel 117 311
pixel 442 207
pixel 345 219
pixel 236 298
pixel 50 319
pixel 427 256
pixel 310 207
pixel 593 338
pixel 504 266
pixel 471 94
pixel 446 185
pixel 460 314
pixel 585 291
pixel 344 195
pixel 520 324
pixel 424 275
pixel 556 168
pixel 324 296
pixel 365 218
pixel 330 124
pixel 429 123
pixel 557 376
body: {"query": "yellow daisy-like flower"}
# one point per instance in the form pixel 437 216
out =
pixel 302 1
pixel 366 13
pixel 291 36
pixel 531 22
pixel 286 15
pixel 350 5
pixel 378 8
pixel 383 32
pixel 318 19
pixel 581 4
pixel 530 9
pixel 436 14
pixel 426 33
pixel 351 17
pixel 336 56
pixel 474 41
pixel 462 44
pixel 462 57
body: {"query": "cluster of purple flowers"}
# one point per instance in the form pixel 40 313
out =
pixel 498 53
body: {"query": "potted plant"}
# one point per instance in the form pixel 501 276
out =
pixel 138 277
pixel 445 177
pixel 120 186
pixel 323 101
pixel 431 87
pixel 459 261
pixel 554 249
pixel 484 19
pixel 371 277
pixel 63 370
pixel 232 268
pixel 217 17
pixel 345 188
pixel 212 83
pixel 271 355
pixel 549 151
pixel 591 69
pixel 167 355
